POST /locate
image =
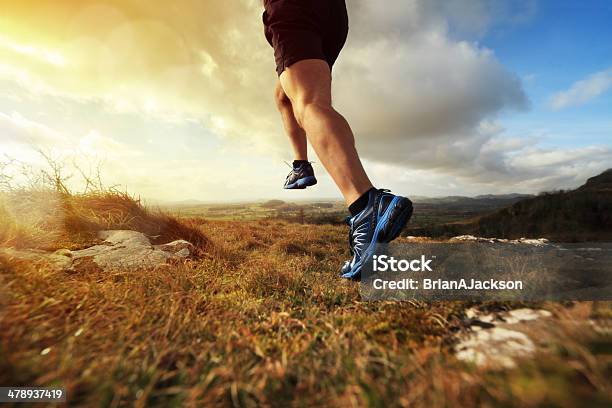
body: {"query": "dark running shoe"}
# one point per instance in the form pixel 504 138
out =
pixel 301 176
pixel 381 221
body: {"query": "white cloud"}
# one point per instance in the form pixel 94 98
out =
pixel 96 144
pixel 18 129
pixel 25 136
pixel 428 86
pixel 583 91
pixel 522 168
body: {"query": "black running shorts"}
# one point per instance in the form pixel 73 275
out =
pixel 305 29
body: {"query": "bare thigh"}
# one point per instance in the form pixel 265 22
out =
pixel 307 81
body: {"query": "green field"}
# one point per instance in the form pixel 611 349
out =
pixel 428 211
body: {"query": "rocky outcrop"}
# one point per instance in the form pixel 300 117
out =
pixel 498 340
pixel 129 249
pixel 121 249
pixel 528 241
pixel 55 260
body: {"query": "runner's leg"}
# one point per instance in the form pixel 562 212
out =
pixel 307 83
pixel 296 134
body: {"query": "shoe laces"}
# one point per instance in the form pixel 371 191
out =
pixel 293 171
pixel 350 234
pixel 291 165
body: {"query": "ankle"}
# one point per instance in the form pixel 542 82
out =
pixel 361 203
pixel 299 162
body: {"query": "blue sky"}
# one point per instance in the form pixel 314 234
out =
pixel 564 42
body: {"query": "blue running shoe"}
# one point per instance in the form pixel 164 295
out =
pixel 381 221
pixel 300 177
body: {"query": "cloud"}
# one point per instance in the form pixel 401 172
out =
pixel 464 17
pixel 18 129
pixel 502 167
pixel 583 91
pixel 426 86
pixel 22 134
pixel 419 91
pixel 536 169
pixel 210 60
pixel 426 100
pixel 207 60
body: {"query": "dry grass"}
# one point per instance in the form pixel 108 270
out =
pixel 264 320
pixel 51 220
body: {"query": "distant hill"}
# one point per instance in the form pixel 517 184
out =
pixel 273 204
pixel 583 214
pixel 511 196
pixel 602 182
pixel 486 198
pixel 184 203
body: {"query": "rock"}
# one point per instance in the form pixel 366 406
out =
pixel 180 248
pixel 125 237
pixel 524 315
pixel 532 241
pixel 129 249
pixel 63 252
pixel 121 249
pixel 58 260
pixel 467 238
pixel 527 241
pixel 511 317
pixel 496 347
pixel 496 340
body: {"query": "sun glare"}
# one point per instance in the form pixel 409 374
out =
pixel 41 54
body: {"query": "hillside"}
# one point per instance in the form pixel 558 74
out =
pixel 602 182
pixel 258 316
pixel 583 214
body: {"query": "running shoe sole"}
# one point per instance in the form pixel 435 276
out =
pixel 302 183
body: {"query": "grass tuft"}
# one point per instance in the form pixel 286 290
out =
pixel 49 220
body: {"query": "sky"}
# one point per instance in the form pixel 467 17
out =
pixel 174 99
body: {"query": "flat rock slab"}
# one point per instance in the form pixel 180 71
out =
pixel 527 241
pixel 54 260
pixel 122 249
pixel 498 340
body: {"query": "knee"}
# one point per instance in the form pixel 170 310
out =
pixel 281 99
pixel 306 110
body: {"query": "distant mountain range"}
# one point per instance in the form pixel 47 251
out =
pixel 511 196
pixel 583 214
pixel 417 199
